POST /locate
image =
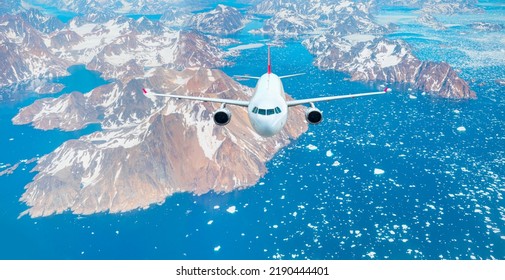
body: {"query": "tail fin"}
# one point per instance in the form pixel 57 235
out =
pixel 269 69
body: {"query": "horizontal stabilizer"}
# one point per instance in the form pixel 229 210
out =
pixel 292 75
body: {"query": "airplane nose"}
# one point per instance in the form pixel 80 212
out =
pixel 268 129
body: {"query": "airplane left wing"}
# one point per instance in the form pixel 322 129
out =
pixel 329 98
pixel 204 99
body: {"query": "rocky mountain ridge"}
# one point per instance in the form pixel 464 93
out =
pixel 24 52
pixel 109 45
pixel 434 6
pixel 150 149
pixel 222 20
pixel 353 42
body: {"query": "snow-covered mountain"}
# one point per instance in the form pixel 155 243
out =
pixel 118 6
pixel 221 20
pixel 10 6
pixel 101 42
pixel 487 26
pixel 296 17
pixel 450 6
pixel 430 21
pixel 41 22
pixel 348 39
pixel 434 6
pixel 287 23
pixel 176 17
pixel 369 58
pixel 150 148
pixel 24 52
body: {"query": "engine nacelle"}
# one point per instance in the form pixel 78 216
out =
pixel 222 116
pixel 313 115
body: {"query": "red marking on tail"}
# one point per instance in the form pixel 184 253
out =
pixel 269 69
pixel 386 89
pixel 144 90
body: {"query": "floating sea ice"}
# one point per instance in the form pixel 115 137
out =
pixel 311 147
pixel 216 207
pixel 210 222
pixel 371 255
pixel 461 129
pixel 231 209
pixel 217 248
pixel 378 171
pixel 11 139
pixel 336 163
pixel 412 96
pixel 456 111
pixel 329 153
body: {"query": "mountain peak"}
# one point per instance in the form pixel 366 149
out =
pixel 222 20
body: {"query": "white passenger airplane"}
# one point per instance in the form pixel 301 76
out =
pixel 268 108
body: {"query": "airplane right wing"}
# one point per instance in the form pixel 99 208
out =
pixel 336 97
pixel 197 98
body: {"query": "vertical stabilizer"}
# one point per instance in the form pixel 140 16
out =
pixel 269 70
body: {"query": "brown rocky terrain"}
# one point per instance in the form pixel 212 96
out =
pixel 152 148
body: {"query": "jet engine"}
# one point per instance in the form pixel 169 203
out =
pixel 313 115
pixel 222 116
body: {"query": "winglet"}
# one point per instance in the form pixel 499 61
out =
pixel 269 70
pixel 144 90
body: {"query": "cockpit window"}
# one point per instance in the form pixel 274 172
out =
pixel 266 112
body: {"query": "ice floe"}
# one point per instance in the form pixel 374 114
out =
pixel 231 209
pixel 378 171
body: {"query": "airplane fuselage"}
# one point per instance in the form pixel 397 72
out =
pixel 268 110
